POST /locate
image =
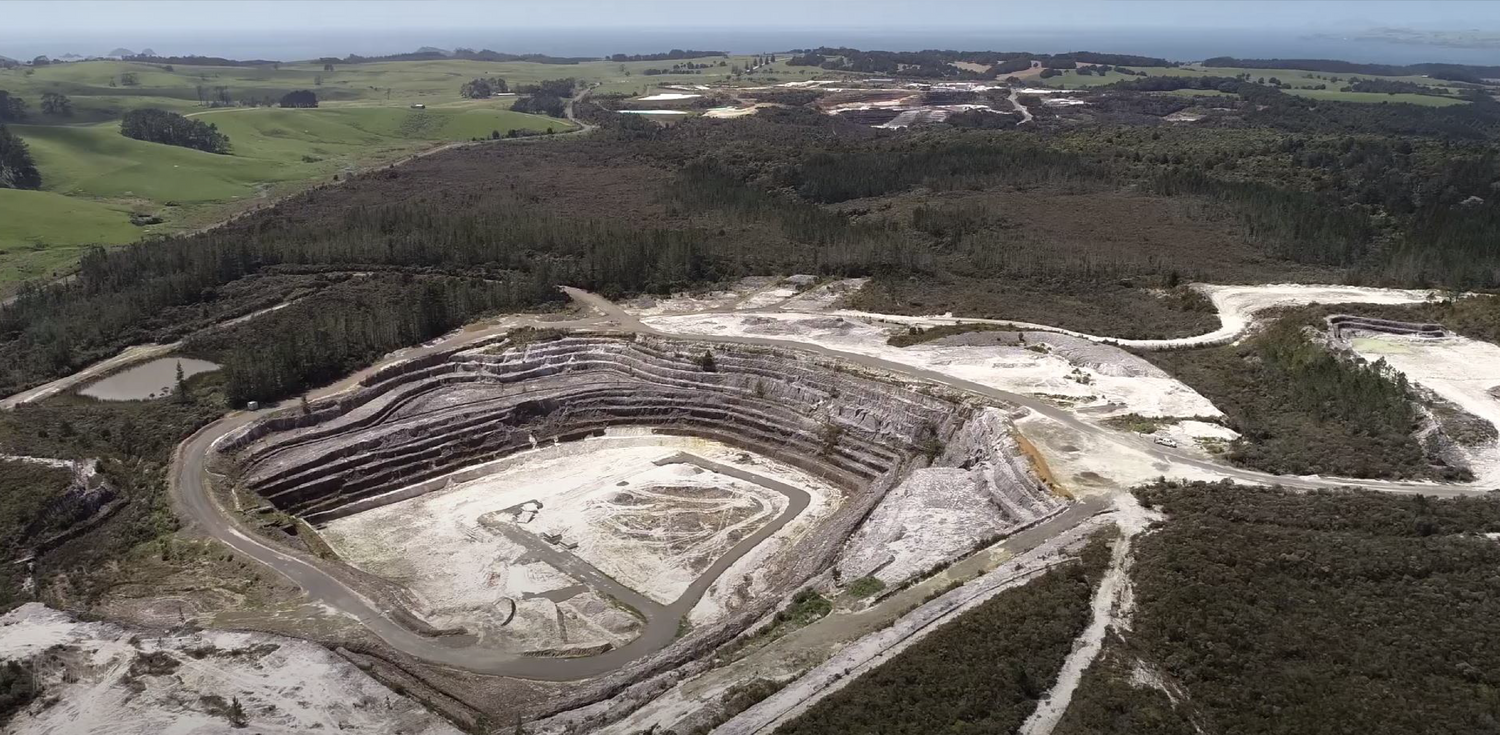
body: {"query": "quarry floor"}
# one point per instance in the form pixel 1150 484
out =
pixel 617 502
pixel 1071 382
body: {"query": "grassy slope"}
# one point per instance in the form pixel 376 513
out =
pixel 94 177
pixel 42 231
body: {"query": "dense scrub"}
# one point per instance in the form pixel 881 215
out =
pixel 1329 612
pixel 1301 409
pixel 1108 308
pixel 981 673
pixel 1113 700
pixel 27 490
pixel 17 688
pixel 338 330
pixel 976 222
pixel 134 441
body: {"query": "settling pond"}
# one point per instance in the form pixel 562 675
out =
pixel 155 379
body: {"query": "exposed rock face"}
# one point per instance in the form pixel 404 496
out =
pixel 982 487
pixel 1340 324
pixel 415 426
pixel 426 420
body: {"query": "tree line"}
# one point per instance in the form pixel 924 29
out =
pixel 17 170
pixel 12 107
pixel 483 88
pixel 548 97
pixel 1451 72
pixel 672 55
pixel 160 126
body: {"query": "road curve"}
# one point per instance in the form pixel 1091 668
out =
pixel 1063 416
pixel 191 484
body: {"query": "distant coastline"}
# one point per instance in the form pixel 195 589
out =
pixel 1393 46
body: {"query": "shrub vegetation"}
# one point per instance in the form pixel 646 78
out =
pixel 1351 612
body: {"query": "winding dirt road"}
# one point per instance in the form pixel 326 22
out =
pixel 191 482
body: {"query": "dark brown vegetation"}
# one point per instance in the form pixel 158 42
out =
pixel 1328 612
pixel 1110 308
pixel 1070 228
pixel 981 673
pixel 134 441
pixel 27 491
pixel 17 688
pixel 1301 409
pixel 1110 701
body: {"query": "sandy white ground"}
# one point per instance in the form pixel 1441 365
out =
pixel 1237 306
pixel 654 112
pixel 447 548
pixel 664 96
pixel 686 302
pixel 878 647
pixel 1113 604
pixel 1459 369
pixel 653 528
pixel 285 685
pixel 827 296
pixel 1103 378
pixel 768 297
pixel 732 112
pixel 933 516
pixel 746 579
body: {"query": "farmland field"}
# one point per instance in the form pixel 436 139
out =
pixel 94 178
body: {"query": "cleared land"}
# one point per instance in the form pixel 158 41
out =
pixel 103 677
pixel 653 527
pixel 93 177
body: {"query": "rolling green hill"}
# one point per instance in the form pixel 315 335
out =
pixel 94 178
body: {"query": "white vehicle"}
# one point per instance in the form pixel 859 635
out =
pixel 1166 441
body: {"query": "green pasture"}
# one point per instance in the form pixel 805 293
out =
pixel 42 231
pixel 94 177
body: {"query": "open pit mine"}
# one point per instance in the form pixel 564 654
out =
pixel 559 505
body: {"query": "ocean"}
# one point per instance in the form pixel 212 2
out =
pixel 1177 45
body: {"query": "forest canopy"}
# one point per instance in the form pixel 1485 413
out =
pixel 170 128
pixel 17 170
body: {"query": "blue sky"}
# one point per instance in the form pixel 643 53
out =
pixel 91 18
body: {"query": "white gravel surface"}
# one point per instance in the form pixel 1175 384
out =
pixel 445 546
pixel 1461 370
pixel 285 685
pixel 932 517
pixel 1103 378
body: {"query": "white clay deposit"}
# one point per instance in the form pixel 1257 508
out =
pixel 667 96
pixel 652 527
pixel 1461 370
pixel 107 679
